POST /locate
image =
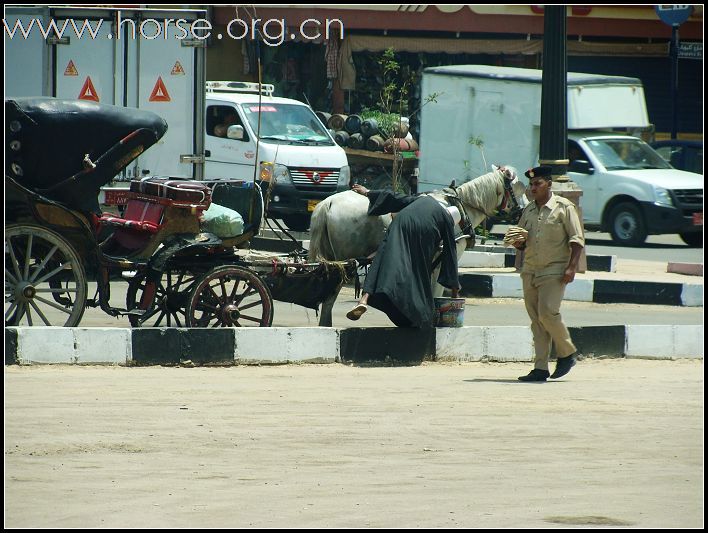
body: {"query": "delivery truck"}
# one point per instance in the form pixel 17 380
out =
pixel 156 60
pixel 483 115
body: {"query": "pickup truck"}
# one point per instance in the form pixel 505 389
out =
pixel 632 192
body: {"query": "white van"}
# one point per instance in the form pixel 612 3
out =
pixel 294 148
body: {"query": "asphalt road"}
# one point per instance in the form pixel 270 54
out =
pixel 661 248
pixel 491 311
pixel 478 312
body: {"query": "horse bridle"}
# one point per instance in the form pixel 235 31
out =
pixel 515 212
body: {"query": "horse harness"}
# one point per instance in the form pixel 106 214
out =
pixel 516 209
pixel 452 198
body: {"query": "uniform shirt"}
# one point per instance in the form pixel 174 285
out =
pixel 551 230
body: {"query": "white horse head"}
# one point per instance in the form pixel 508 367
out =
pixel 499 192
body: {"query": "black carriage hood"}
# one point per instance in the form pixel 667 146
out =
pixel 67 149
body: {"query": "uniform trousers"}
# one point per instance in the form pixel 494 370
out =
pixel 543 296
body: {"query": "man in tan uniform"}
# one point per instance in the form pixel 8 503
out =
pixel 551 253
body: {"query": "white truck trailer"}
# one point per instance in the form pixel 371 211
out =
pixel 156 60
pixel 487 115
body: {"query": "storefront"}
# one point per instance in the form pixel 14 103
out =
pixel 345 75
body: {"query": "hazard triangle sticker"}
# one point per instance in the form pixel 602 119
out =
pixel 177 70
pixel 88 91
pixel 159 93
pixel 70 69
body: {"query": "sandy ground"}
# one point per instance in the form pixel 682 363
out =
pixel 615 443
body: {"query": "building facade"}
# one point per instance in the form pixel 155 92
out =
pixel 331 55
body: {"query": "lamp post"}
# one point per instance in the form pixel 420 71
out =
pixel 674 16
pixel 553 148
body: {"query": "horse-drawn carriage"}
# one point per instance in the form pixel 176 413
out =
pixel 180 272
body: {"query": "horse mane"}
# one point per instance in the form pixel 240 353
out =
pixel 483 193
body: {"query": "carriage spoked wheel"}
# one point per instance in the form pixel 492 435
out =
pixel 169 308
pixel 45 281
pixel 230 296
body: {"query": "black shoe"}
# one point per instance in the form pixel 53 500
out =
pixel 535 375
pixel 563 366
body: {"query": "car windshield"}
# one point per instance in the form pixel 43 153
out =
pixel 287 123
pixel 626 154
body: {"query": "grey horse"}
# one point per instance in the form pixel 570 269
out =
pixel 340 228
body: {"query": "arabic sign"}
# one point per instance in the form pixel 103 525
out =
pixel 690 50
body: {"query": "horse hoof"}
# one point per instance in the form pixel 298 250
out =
pixel 356 313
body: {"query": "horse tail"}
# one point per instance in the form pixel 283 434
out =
pixel 320 245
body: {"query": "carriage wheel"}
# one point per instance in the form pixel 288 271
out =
pixel 169 308
pixel 45 281
pixel 230 296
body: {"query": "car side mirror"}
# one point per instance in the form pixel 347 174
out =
pixel 235 132
pixel 580 166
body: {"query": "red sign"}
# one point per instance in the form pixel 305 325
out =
pixel 698 219
pixel 70 69
pixel 159 92
pixel 88 91
pixel 115 196
pixel 177 69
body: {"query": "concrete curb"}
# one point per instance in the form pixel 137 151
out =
pixel 508 285
pixel 688 269
pixel 497 257
pixel 201 346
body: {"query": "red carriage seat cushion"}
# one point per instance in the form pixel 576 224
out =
pixel 139 222
pixel 139 216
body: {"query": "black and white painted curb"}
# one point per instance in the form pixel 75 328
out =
pixel 171 346
pixel 589 290
pixel 489 256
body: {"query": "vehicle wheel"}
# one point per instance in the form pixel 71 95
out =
pixel 169 308
pixel 693 239
pixel 297 222
pixel 38 264
pixel 627 225
pixel 230 296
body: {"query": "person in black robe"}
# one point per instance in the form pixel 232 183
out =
pixel 399 279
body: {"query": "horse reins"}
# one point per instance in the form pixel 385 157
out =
pixel 516 209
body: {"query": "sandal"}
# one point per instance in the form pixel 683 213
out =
pixel 356 313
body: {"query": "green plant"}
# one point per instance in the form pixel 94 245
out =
pixel 482 232
pixel 394 106
pixel 479 143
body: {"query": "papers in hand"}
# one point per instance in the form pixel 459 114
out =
pixel 515 235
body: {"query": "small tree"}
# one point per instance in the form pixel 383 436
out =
pixel 394 105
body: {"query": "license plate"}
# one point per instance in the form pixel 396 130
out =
pixel 697 219
pixel 311 205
